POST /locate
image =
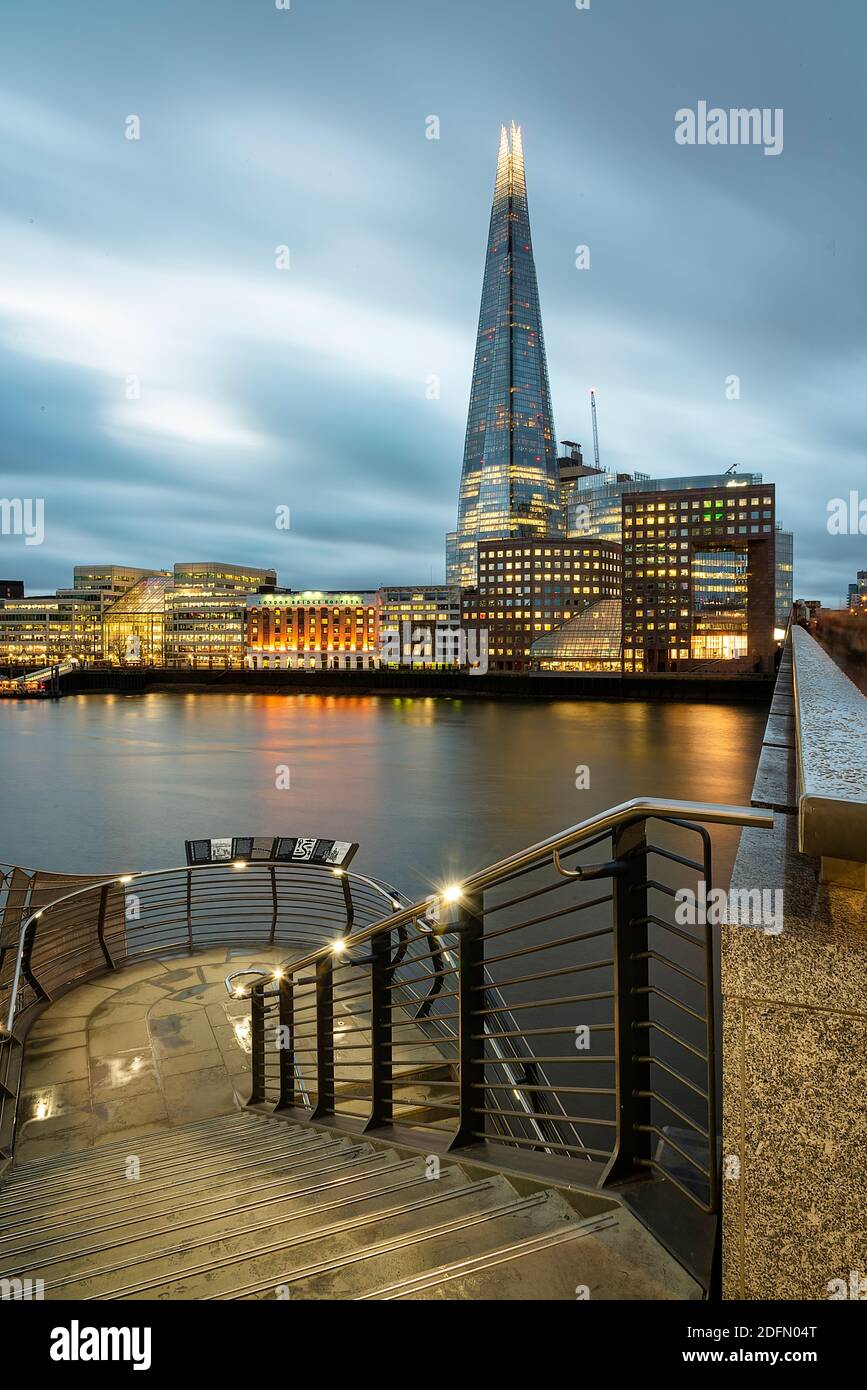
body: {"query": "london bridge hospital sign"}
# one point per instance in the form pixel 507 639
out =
pixel 284 849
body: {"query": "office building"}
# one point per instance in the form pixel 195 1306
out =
pixel 36 630
pixel 420 625
pixel 591 641
pixel 42 629
pixel 783 579
pixel 594 500
pixel 698 579
pixel 312 631
pixel 509 482
pixel 133 628
pixel 529 588
pixel 206 613
pixel 94 589
pixel 858 593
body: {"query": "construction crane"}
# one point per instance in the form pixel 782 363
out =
pixel 595 430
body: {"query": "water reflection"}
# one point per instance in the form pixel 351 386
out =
pixel 432 788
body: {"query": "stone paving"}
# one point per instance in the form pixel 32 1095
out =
pixel 144 1049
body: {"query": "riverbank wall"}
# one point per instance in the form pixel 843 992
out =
pixel 446 684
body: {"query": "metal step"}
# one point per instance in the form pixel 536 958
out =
pixel 212 1157
pixel 129 1248
pixel 250 1206
pixel 165 1138
pixel 213 1264
pixel 485 1277
pixel 484 1227
pixel 264 1160
pixel 341 1166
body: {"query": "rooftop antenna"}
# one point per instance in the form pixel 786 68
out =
pixel 595 430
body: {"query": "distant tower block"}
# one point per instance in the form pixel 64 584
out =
pixel 509 483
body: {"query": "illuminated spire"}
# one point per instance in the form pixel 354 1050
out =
pixel 509 483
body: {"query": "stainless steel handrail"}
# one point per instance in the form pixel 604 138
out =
pixel 126 880
pixel 416 913
pixel 636 809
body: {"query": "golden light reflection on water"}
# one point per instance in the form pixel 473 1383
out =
pixel 431 788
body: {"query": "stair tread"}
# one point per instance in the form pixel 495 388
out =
pixel 252 1206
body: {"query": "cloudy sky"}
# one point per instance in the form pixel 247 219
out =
pixel 149 265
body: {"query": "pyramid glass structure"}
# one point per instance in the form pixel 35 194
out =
pixel 509 483
pixel 591 641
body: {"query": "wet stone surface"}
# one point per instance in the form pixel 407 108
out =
pixel 149 1048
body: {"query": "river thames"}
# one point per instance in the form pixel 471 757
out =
pixel 431 788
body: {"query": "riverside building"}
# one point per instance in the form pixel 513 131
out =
pixel 698 579
pixel 420 625
pixel 206 613
pixel 529 588
pixel 315 630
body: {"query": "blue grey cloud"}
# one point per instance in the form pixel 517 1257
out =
pixel 154 260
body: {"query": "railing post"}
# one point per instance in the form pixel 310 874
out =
pixel 348 903
pixel 100 925
pixel 470 990
pixel 381 1061
pixel 324 1038
pixel 631 1004
pixel 257 1045
pixel 273 906
pixel 27 965
pixel 286 1042
pixel 190 908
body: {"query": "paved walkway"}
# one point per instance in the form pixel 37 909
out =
pixel 144 1049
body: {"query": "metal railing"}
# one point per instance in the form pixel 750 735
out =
pixel 566 1014
pixel 76 936
pixel 551 1004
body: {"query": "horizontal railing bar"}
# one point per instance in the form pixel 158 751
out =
pixel 534 1143
pixel 650 919
pixel 544 1032
pixel 534 1060
pixel 657 1167
pixel 546 1090
pixel 550 974
pixel 675 858
pixel 546 1003
pixel 681 1042
pixel 656 1061
pixel 681 1114
pixel 547 945
pixel 670 999
pixel 567 911
pixel 666 1139
pixel 599 1121
pixel 663 960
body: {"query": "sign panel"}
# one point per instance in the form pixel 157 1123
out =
pixel 293 849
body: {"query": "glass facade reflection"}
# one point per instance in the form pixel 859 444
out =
pixel 591 641
pixel 720 588
pixel 509 483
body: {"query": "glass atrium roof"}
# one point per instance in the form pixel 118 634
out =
pixel 593 635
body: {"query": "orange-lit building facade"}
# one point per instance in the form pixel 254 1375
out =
pixel 313 631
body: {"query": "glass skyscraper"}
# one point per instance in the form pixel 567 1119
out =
pixel 509 484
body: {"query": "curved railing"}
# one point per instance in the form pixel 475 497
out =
pixel 549 1004
pixel 582 1014
pixel 117 921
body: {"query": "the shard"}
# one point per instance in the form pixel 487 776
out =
pixel 509 484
